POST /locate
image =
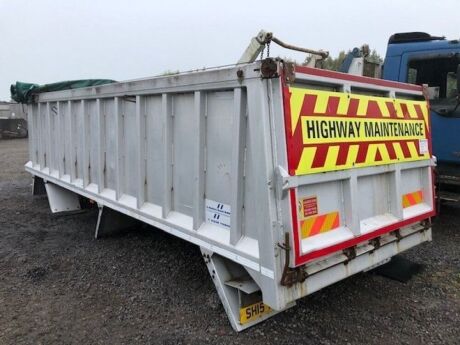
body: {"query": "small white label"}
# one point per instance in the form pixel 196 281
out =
pixel 218 213
pixel 423 146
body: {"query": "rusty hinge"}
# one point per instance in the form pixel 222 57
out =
pixel 350 253
pixel 291 275
pixel 375 242
pixel 397 234
pixel 269 68
pixel 289 71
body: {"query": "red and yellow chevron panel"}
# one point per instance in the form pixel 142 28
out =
pixel 330 131
pixel 411 199
pixel 319 224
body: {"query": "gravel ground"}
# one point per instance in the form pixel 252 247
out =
pixel 60 286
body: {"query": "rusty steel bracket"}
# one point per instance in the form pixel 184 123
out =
pixel 397 234
pixel 375 242
pixel 350 253
pixel 291 275
pixel 269 68
pixel 289 71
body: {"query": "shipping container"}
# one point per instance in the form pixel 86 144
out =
pixel 288 178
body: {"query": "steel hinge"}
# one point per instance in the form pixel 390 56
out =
pixel 291 275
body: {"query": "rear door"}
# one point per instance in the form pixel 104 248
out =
pixel 359 156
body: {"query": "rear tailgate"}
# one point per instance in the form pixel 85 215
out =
pixel 358 159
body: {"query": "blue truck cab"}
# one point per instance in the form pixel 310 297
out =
pixel 420 58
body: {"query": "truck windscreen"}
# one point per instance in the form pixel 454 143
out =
pixel 439 73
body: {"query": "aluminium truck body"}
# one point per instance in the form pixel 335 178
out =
pixel 288 178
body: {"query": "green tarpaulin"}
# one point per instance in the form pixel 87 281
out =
pixel 24 92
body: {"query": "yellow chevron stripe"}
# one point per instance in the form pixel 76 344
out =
pixel 296 102
pixel 371 151
pixel 412 111
pixel 332 154
pixel 328 223
pixel 383 107
pixel 398 151
pixel 321 103
pixel 343 104
pixel 306 160
pixel 306 226
pixel 362 107
pixel 399 112
pixel 352 154
pixel 413 150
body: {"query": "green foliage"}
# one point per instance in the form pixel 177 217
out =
pixel 333 63
pixel 375 57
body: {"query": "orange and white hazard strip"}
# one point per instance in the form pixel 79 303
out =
pixel 319 224
pixel 411 199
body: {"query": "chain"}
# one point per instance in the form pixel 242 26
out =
pixel 267 45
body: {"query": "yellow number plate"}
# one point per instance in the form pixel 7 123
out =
pixel 253 312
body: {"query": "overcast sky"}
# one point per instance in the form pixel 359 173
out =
pixel 46 41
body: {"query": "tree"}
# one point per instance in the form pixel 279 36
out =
pixel 333 63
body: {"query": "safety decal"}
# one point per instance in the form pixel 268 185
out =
pixel 329 131
pixel 411 199
pixel 319 224
pixel 308 206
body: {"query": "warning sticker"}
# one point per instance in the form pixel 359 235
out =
pixel 308 206
pixel 218 213
pixel 423 146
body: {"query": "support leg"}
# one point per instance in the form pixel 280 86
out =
pixel 240 295
pixel 61 200
pixel 110 221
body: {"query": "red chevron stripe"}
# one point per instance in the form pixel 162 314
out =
pixel 419 111
pixel 294 141
pixel 373 110
pixel 391 109
pixel 405 149
pixel 320 156
pixel 353 107
pixel 362 153
pixel 411 199
pixel 343 154
pixel 405 110
pixel 332 105
pixel 308 105
pixel 378 156
pixel 390 150
pixel 317 225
